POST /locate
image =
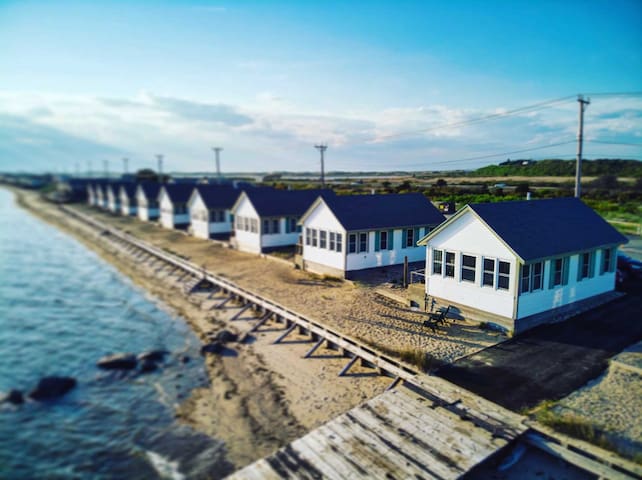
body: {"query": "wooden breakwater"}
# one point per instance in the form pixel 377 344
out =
pixel 452 417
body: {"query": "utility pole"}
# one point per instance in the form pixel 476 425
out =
pixel 126 165
pixel 580 134
pixel 217 151
pixel 322 148
pixel 160 167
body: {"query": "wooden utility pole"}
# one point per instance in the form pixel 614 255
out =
pixel 580 133
pixel 217 152
pixel 322 149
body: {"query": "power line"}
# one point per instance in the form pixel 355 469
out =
pixel 614 94
pixel 527 109
pixel 615 143
pixel 482 157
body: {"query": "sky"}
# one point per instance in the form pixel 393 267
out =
pixel 387 85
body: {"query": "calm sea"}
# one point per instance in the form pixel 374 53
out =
pixel 61 309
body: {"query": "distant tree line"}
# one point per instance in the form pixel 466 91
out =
pixel 561 168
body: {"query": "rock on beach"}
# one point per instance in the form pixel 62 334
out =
pixel 52 387
pixel 118 361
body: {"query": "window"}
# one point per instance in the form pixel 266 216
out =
pixel 450 264
pixel 363 242
pixel 468 268
pixel 293 226
pixel 503 275
pixel 437 260
pixel 254 225
pixel 410 237
pixel 339 244
pixel 276 226
pixel 383 240
pixel 585 269
pixel 352 243
pixel 314 237
pixel 559 272
pixel 531 278
pixel 607 265
pixel 308 236
pixel 488 277
pixel 323 239
pixel 332 241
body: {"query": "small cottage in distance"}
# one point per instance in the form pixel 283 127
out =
pixel 266 219
pixel 147 201
pixel 521 264
pixel 127 196
pixel 172 201
pixel 210 210
pixel 343 234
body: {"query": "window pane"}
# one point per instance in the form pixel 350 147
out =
pixel 504 267
pixel 322 239
pixel 489 265
pixel 450 257
pixel 502 282
pixel 409 237
pixel 339 244
pixel 363 242
pixel 468 274
pixel 352 243
pixel 468 261
pixel 383 240
pixel 488 278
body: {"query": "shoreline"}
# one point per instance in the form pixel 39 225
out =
pixel 262 396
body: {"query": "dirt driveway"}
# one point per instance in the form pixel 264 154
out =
pixel 551 361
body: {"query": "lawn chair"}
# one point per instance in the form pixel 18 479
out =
pixel 439 317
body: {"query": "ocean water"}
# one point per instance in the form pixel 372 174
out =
pixel 61 309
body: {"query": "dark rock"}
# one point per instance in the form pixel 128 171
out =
pixel 213 347
pixel 15 397
pixel 185 359
pixel 153 355
pixel 52 387
pixel 226 336
pixel 148 365
pixel 119 361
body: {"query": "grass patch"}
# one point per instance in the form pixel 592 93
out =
pixel 414 356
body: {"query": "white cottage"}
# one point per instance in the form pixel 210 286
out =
pixel 93 189
pixel 102 200
pixel 113 196
pixel 172 200
pixel 266 219
pixel 127 196
pixel 210 210
pixel 521 264
pixel 343 234
pixel 147 201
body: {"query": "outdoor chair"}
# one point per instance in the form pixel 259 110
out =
pixel 439 317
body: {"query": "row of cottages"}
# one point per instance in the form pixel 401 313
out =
pixel 520 264
pixel 266 219
pixel 344 234
pixel 172 201
pixel 127 195
pixel 209 209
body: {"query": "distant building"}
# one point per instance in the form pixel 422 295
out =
pixel 113 196
pixel 147 201
pixel 172 201
pixel 127 195
pixel 343 234
pixel 266 219
pixel 520 264
pixel 210 210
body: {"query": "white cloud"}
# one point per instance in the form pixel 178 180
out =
pixel 274 134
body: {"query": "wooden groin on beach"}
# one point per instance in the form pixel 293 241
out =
pixel 421 427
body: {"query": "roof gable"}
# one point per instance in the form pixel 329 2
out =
pixel 218 196
pixel 368 212
pixel 272 203
pixel 177 192
pixel 150 189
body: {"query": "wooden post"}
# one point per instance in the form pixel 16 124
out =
pixel 405 272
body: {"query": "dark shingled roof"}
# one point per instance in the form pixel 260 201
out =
pixel 367 212
pixel 150 189
pixel 271 203
pixel 130 189
pixel 218 195
pixel 179 192
pixel 544 228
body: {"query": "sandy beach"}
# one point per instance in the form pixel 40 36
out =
pixel 262 395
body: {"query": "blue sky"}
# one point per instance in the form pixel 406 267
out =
pixel 84 82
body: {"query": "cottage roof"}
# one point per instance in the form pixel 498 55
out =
pixel 269 202
pixel 129 188
pixel 218 195
pixel 150 189
pixel 538 229
pixel 367 212
pixel 179 192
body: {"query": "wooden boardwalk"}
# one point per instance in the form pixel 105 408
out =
pixel 397 435
pixel 426 428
